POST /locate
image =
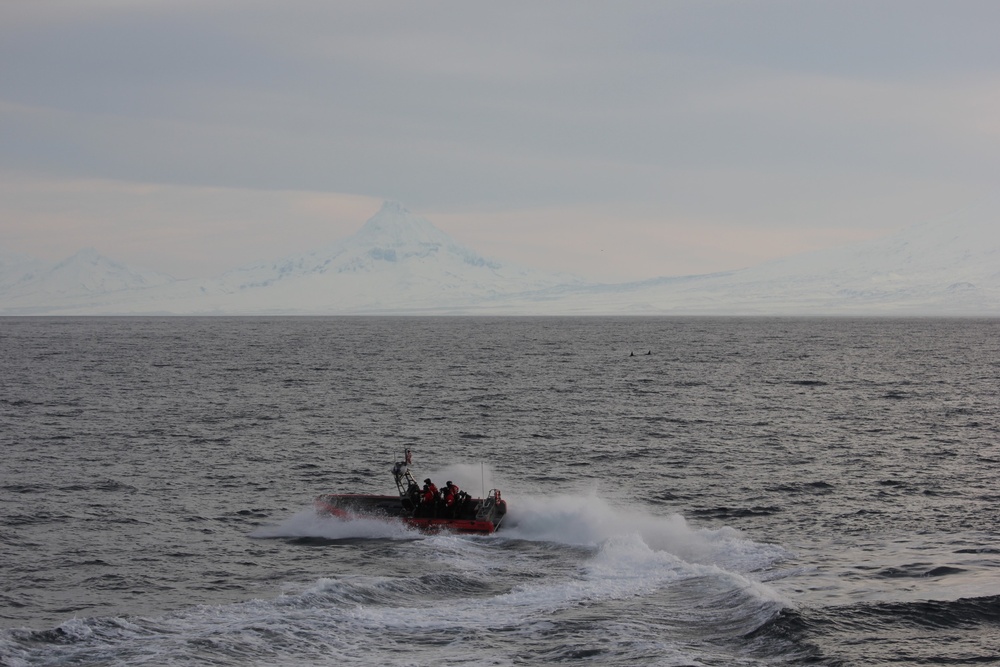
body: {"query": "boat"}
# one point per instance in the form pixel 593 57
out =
pixel 454 512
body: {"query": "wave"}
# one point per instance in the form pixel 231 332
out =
pixel 885 632
pixel 962 613
pixel 918 570
pixel 618 603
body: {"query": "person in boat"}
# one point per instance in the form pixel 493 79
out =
pixel 413 495
pixel 428 499
pixel 449 494
pixel 461 498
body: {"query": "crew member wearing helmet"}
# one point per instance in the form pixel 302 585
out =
pixel 430 492
pixel 448 494
pixel 428 499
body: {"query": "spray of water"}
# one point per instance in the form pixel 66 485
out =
pixel 589 520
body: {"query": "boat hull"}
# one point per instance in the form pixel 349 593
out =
pixel 474 517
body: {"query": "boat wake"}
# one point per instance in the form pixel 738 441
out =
pixel 556 581
pixel 592 521
pixel 588 522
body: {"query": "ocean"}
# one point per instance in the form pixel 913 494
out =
pixel 688 491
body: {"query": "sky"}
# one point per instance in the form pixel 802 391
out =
pixel 615 140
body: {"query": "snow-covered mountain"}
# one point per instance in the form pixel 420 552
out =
pixel 30 285
pixel 398 263
pixel 15 268
pixel 395 262
pixel 951 266
pixel 395 259
pixel 948 267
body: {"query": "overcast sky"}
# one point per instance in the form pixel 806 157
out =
pixel 618 140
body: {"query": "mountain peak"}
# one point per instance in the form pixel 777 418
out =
pixel 88 257
pixel 390 206
pixel 395 226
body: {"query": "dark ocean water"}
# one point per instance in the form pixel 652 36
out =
pixel 752 492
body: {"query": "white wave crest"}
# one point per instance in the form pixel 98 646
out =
pixel 588 520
